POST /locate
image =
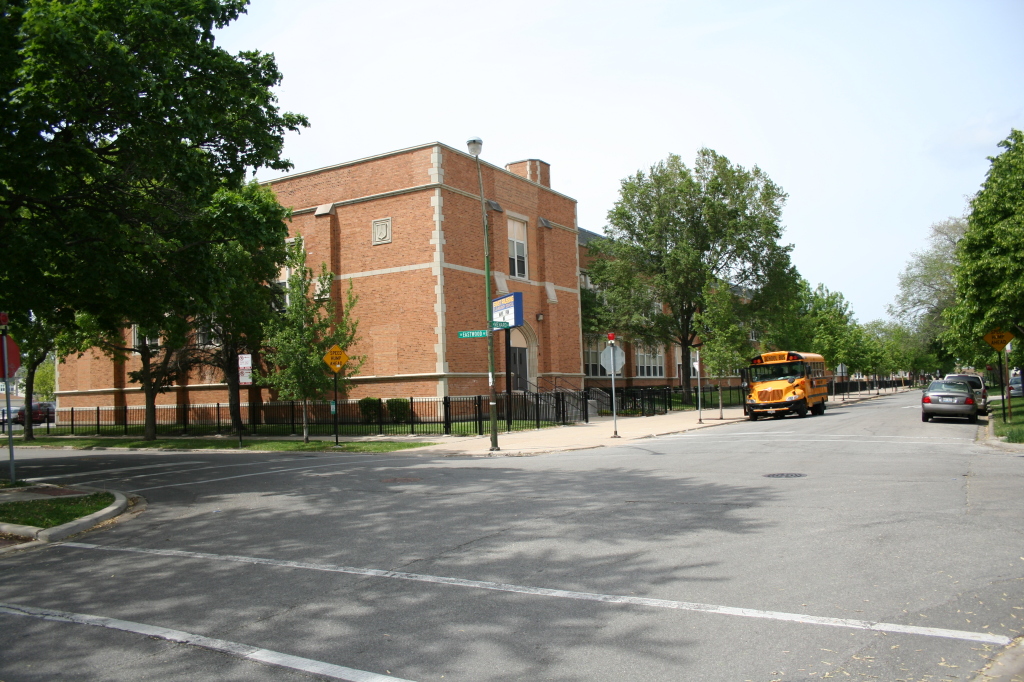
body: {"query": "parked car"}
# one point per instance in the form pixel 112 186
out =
pixel 978 384
pixel 41 412
pixel 6 418
pixel 953 398
pixel 1015 387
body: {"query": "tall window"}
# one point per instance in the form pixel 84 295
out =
pixel 592 361
pixel 139 339
pixel 516 248
pixel 649 362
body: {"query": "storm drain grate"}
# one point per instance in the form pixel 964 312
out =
pixel 784 475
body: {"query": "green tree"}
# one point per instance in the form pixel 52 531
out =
pixel 989 276
pixel 298 338
pixel 724 341
pixel 926 285
pixel 40 337
pixel 120 120
pixel 163 351
pixel 674 230
pixel 243 301
pixel 46 379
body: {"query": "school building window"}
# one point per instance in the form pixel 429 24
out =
pixel 650 362
pixel 592 361
pixel 517 248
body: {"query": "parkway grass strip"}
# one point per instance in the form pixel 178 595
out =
pixel 50 513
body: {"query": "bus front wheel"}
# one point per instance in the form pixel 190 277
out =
pixel 801 410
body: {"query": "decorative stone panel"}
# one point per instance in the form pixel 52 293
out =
pixel 381 231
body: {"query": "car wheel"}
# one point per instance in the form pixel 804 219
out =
pixel 925 417
pixel 973 419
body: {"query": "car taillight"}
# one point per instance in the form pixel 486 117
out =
pixel 926 399
pixel 984 393
pixel 969 401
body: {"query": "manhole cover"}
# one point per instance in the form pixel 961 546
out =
pixel 784 475
pixel 400 480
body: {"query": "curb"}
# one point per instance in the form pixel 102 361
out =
pixel 1005 666
pixel 43 535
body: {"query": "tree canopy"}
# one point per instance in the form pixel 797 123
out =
pixel 674 230
pixel 119 122
pixel 990 273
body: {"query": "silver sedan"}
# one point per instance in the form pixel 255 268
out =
pixel 949 399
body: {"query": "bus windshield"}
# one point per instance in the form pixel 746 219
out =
pixel 774 372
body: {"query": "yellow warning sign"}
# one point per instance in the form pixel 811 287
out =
pixel 336 358
pixel 998 339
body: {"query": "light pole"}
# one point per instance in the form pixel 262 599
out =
pixel 475 146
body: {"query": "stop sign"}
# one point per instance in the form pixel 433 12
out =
pixel 13 358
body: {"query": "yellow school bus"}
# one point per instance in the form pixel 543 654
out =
pixel 785 382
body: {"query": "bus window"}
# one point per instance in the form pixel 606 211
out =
pixel 777 371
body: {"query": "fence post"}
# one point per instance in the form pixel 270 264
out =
pixel 72 421
pixel 479 415
pixel 585 395
pixel 412 417
pixel 293 417
pixel 446 404
pixel 126 419
pixel 380 416
pixel 184 419
pixel 97 420
pixel 218 419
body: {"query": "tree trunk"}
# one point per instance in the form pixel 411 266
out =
pixel 684 380
pixel 30 384
pixel 305 421
pixel 149 431
pixel 230 369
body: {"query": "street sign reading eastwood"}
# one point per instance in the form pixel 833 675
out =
pixel 336 358
pixel 473 334
pixel 998 339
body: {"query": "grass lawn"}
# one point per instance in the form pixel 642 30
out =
pixel 50 513
pixel 87 443
pixel 1013 429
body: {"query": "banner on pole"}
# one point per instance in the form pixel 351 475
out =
pixel 245 369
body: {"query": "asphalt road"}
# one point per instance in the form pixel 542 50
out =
pixel 897 555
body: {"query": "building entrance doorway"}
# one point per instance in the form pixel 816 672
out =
pixel 518 360
pixel 520 372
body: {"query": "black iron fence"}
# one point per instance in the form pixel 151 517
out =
pixel 458 415
pixel 659 400
pixel 453 415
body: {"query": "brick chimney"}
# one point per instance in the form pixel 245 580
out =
pixel 532 169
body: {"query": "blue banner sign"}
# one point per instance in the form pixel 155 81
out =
pixel 508 308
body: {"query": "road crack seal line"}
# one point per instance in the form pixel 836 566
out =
pixel 985 637
pixel 265 656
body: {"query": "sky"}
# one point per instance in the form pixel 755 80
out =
pixel 876 118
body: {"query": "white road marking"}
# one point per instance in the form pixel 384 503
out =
pixel 830 435
pixel 101 472
pixel 264 473
pixel 213 466
pixel 252 653
pixel 569 594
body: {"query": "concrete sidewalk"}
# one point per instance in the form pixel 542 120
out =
pixel 597 433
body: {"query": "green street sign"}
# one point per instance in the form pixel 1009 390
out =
pixel 499 324
pixel 474 334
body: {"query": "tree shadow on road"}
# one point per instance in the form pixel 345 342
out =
pixel 616 531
